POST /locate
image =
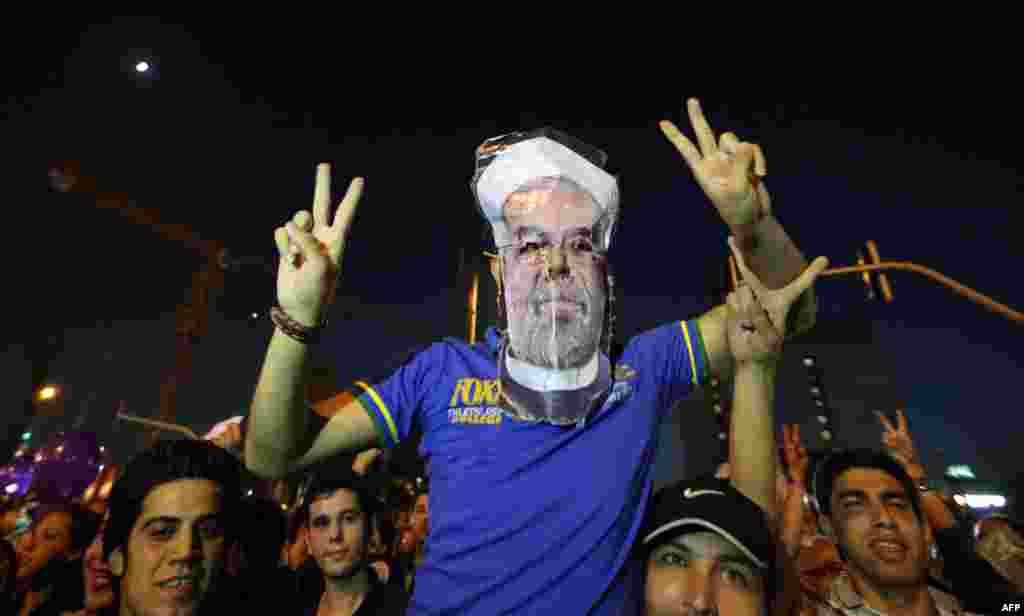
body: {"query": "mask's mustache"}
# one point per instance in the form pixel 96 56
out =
pixel 543 295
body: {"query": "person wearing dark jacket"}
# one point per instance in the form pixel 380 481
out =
pixel 338 513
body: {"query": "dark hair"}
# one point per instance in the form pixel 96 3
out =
pixel 295 523
pixel 421 485
pixel 63 575
pixel 321 485
pixel 84 523
pixel 264 531
pixel 165 462
pixel 7 585
pixel 838 463
pixel 386 528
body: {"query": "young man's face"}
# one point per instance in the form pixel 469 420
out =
pixel 175 551
pixel 49 538
pixel 554 281
pixel 338 529
pixel 99 592
pixel 420 517
pixel 702 571
pixel 877 528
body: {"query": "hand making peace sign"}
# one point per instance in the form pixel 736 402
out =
pixel 311 246
pixel 756 322
pixel 729 170
pixel 897 438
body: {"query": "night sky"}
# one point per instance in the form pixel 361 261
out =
pixel 223 134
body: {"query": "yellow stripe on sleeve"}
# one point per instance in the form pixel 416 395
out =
pixel 382 407
pixel 690 353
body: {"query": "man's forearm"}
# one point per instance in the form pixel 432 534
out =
pixel 774 258
pixel 279 432
pixel 791 520
pixel 752 434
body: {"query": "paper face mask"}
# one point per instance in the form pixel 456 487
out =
pixel 552 211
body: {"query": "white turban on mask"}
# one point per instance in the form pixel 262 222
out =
pixel 507 163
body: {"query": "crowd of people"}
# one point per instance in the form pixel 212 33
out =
pixel 177 532
pixel 538 445
pixel 177 535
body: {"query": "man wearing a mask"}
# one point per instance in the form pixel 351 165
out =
pixel 539 443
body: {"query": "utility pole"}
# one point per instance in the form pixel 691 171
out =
pixel 478 286
pixel 40 351
pixel 193 314
pixel 870 267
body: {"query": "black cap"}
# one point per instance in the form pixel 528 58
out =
pixel 710 504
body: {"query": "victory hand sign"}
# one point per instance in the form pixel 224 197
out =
pixel 795 454
pixel 311 246
pixel 897 438
pixel 729 170
pixel 757 314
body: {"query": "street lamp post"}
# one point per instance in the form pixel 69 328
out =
pixel 865 269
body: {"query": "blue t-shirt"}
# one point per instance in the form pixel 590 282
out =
pixel 532 518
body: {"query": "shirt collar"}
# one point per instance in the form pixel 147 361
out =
pixel 547 379
pixel 844 594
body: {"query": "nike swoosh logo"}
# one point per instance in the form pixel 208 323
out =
pixel 691 493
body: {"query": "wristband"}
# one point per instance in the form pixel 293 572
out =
pixel 295 330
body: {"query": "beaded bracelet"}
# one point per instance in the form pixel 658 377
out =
pixel 295 330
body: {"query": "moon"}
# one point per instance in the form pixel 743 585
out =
pixel 142 67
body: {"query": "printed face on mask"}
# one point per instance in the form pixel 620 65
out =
pixel 554 276
pixel 175 551
pixel 877 527
pixel 702 572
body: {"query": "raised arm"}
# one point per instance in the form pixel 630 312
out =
pixel 731 173
pixel 282 436
pixel 792 515
pixel 896 439
pixel 755 328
